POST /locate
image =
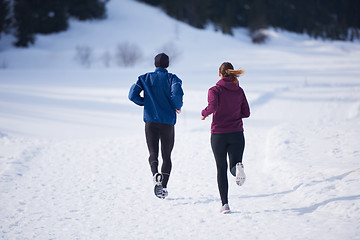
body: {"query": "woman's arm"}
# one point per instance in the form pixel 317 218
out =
pixel 245 110
pixel 213 102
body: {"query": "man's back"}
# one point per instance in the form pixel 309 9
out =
pixel 162 96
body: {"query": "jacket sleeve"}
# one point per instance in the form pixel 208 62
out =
pixel 177 93
pixel 245 110
pixel 213 102
pixel 134 93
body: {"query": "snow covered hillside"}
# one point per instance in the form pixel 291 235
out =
pixel 73 157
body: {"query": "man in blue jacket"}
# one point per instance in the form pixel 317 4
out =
pixel 162 99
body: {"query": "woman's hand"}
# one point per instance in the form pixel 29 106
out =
pixel 203 118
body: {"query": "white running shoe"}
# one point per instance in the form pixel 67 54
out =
pixel 158 188
pixel 225 209
pixel 240 174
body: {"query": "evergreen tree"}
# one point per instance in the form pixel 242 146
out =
pixel 257 15
pixel 227 14
pixel 87 9
pixel 332 19
pixel 50 16
pixel 4 13
pixel 24 22
pixel 190 11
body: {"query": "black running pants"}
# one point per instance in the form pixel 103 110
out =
pixel 165 134
pixel 231 144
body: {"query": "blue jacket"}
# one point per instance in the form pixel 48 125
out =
pixel 162 96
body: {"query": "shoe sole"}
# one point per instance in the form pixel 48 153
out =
pixel 225 212
pixel 158 188
pixel 240 176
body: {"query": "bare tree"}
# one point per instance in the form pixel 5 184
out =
pixel 128 54
pixel 84 54
pixel 106 57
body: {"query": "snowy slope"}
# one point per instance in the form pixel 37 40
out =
pixel 73 158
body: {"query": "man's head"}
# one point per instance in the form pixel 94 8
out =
pixel 162 60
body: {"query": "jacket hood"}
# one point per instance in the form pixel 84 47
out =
pixel 227 83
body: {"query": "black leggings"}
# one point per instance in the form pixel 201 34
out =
pixel 165 133
pixel 231 144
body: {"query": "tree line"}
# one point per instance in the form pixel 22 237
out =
pixel 24 18
pixel 326 19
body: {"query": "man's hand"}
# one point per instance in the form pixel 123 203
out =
pixel 178 111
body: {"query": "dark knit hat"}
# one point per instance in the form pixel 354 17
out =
pixel 162 60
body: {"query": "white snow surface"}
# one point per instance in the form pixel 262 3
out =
pixel 73 157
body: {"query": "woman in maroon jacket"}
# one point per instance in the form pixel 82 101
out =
pixel 227 102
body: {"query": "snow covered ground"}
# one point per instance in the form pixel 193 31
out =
pixel 73 158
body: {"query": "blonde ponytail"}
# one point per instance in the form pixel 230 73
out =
pixel 227 70
pixel 235 73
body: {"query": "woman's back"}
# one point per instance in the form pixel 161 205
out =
pixel 228 104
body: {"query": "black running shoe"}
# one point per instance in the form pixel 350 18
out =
pixel 158 188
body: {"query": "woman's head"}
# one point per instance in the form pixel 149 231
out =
pixel 227 70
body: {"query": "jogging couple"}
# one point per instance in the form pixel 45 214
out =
pixel 163 98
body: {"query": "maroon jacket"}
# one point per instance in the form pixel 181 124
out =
pixel 227 102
